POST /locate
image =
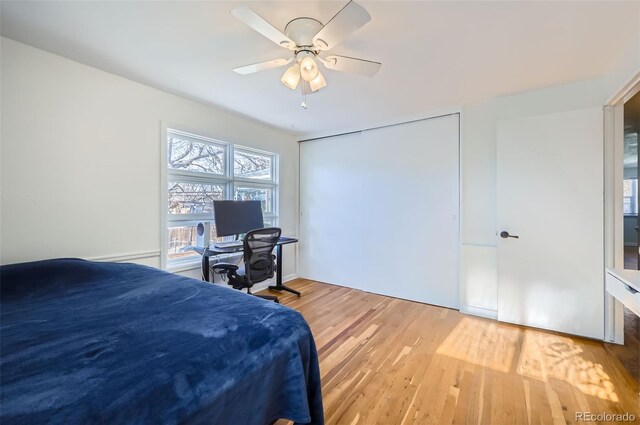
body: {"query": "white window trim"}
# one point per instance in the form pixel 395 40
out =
pixel 227 179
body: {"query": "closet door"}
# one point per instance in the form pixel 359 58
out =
pixel 550 196
pixel 379 210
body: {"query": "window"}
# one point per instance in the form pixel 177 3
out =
pixel 245 192
pixel 189 154
pixel 630 196
pixel 201 170
pixel 193 198
pixel 252 165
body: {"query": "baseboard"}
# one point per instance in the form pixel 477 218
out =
pixel 264 285
pixel 289 277
pixel 477 311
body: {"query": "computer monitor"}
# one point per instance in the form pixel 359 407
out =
pixel 237 217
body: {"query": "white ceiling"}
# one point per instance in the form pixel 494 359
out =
pixel 435 54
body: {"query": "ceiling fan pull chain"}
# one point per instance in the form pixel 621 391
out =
pixel 303 90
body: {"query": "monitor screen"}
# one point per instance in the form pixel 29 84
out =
pixel 236 217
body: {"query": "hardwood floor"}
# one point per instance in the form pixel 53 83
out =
pixel 389 361
pixel 628 353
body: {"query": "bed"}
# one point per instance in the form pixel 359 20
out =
pixel 85 342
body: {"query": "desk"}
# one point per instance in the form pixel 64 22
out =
pixel 624 285
pixel 212 251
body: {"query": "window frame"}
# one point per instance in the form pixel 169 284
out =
pixel 633 199
pixel 227 179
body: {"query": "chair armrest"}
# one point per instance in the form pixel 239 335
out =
pixel 225 266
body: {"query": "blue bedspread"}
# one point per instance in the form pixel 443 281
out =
pixel 84 342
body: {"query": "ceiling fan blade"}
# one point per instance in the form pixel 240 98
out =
pixel 250 69
pixel 352 65
pixel 258 23
pixel 347 21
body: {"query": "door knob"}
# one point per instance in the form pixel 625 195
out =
pixel 504 235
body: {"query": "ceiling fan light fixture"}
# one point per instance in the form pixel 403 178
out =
pixel 308 68
pixel 307 39
pixel 291 77
pixel 318 82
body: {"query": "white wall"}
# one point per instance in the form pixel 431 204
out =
pixel 478 285
pixel 80 158
pixel 627 67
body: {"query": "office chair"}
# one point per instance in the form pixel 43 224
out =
pixel 259 261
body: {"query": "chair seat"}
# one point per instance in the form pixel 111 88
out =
pixel 240 271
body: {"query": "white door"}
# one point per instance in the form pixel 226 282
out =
pixel 550 195
pixel 379 210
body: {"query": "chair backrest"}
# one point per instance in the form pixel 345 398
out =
pixel 259 264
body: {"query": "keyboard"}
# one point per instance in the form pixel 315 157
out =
pixel 229 244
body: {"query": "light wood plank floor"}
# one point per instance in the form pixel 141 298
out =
pixel 631 257
pixel 389 361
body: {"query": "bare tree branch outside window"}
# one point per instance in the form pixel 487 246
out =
pixel 193 198
pixel 194 156
pixel 252 165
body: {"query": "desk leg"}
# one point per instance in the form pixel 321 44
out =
pixel 279 286
pixel 205 272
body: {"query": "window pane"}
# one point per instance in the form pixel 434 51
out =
pixel 627 188
pixel 180 240
pixel 630 193
pixel 190 155
pixel 193 198
pixel 627 206
pixel 252 165
pixel 244 193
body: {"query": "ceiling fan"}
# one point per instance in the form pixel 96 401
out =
pixel 309 40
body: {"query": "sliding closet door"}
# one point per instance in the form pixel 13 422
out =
pixel 379 210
